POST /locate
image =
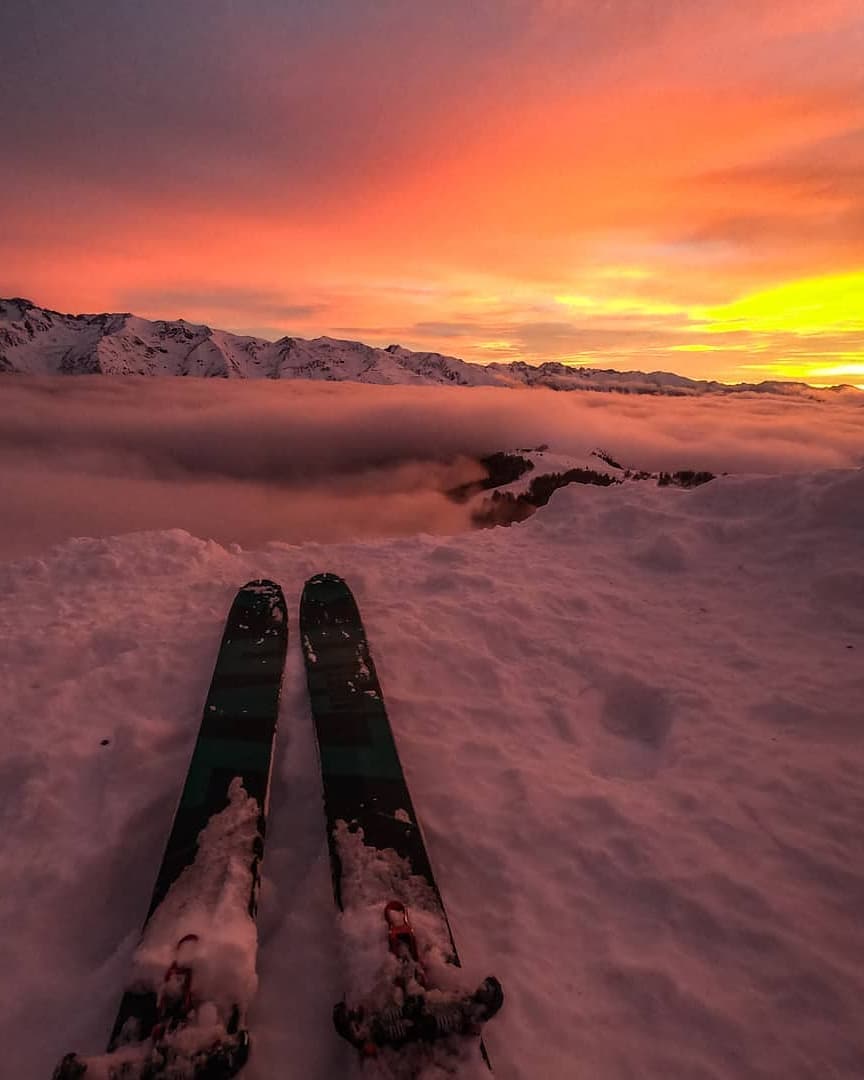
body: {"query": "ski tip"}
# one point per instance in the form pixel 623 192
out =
pixel 325 583
pixel 260 593
pixel 261 585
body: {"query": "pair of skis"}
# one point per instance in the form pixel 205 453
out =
pixel 183 1014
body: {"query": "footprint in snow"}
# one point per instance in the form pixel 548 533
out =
pixel 664 553
pixel 636 718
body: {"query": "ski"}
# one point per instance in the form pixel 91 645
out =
pixel 183 1012
pixel 405 999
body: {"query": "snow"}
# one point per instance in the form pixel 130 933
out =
pixel 631 727
pixel 371 879
pixel 210 900
pixel 38 341
pixel 546 462
pixel 202 927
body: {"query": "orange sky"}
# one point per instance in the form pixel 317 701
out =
pixel 630 184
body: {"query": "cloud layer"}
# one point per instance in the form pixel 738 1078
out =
pixel 247 462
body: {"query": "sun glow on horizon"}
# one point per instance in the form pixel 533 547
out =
pixel 819 305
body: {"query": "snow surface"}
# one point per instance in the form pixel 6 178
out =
pixel 632 731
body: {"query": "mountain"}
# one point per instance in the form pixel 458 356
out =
pixel 39 341
pixel 35 340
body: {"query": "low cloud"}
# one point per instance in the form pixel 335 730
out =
pixel 249 462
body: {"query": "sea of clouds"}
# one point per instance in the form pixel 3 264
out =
pixel 249 462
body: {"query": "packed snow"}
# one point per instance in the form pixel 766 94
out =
pixel 631 727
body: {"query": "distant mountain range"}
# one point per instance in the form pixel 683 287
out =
pixel 38 341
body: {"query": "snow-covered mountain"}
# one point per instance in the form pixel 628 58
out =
pixel 38 341
pixel 34 340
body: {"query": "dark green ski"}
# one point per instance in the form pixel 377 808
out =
pixel 377 852
pixel 209 873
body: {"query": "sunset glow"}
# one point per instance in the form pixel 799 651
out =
pixel 633 184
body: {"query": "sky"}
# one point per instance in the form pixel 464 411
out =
pixel 294 461
pixel 648 184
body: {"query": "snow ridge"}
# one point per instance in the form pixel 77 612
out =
pixel 39 341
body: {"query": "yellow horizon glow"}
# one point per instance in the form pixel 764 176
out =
pixel 817 305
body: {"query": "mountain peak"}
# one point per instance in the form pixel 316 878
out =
pixel 15 307
pixel 36 340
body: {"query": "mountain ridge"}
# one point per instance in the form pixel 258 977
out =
pixel 41 341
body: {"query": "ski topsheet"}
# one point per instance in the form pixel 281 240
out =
pixel 183 1012
pixel 405 1002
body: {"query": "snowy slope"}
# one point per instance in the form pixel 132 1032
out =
pixel 632 729
pixel 34 341
pixel 37 341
